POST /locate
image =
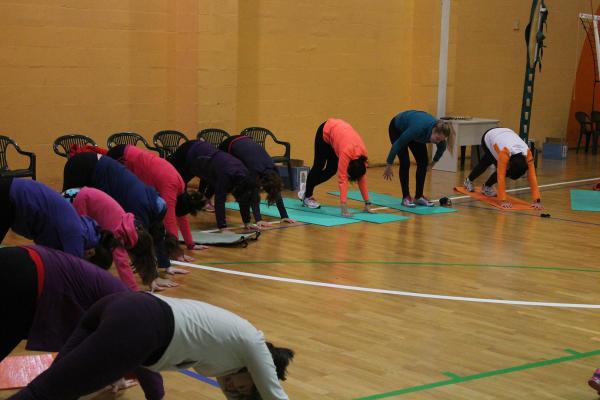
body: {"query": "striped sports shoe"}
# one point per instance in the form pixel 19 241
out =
pixel 310 202
pixel 468 184
pixel 408 202
pixel 488 191
pixel 424 201
pixel 594 381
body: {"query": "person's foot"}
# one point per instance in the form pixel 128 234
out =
pixel 594 381
pixel 488 191
pixel 408 202
pixel 301 194
pixel 468 184
pixel 424 201
pixel 310 202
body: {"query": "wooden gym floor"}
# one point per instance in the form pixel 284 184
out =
pixel 354 344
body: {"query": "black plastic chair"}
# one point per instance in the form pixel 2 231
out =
pixel 213 136
pixel 5 141
pixel 63 144
pixel 131 138
pixel 259 135
pixel 589 127
pixel 168 141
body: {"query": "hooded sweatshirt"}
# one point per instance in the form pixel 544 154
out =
pixel 161 175
pixel 41 214
pixel 220 170
pixel 111 216
pixel 258 162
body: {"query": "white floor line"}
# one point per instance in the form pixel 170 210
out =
pixel 379 208
pixel 529 188
pixel 385 291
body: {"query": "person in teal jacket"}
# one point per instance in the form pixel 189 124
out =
pixel 413 130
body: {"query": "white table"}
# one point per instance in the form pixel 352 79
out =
pixel 468 133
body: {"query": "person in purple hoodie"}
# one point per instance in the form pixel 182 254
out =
pixel 48 295
pixel 263 170
pixel 223 172
pixel 33 210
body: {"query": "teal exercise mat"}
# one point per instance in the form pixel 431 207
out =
pixel 396 203
pixel 377 218
pixel 585 200
pixel 300 216
pixel 223 238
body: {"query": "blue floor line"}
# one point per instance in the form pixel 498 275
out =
pixel 199 377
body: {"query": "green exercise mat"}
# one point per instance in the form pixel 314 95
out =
pixel 300 216
pixel 222 238
pixel 377 218
pixel 396 203
pixel 585 200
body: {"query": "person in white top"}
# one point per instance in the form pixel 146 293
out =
pixel 142 333
pixel 512 157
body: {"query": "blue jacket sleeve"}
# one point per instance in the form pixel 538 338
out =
pixel 256 210
pixel 282 211
pixel 72 242
pixel 440 148
pixel 403 141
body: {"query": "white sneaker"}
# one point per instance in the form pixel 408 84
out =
pixel 301 194
pixel 468 184
pixel 423 201
pixel 488 191
pixel 310 202
pixel 408 202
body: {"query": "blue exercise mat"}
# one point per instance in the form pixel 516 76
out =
pixel 396 203
pixel 300 216
pixel 377 218
pixel 585 200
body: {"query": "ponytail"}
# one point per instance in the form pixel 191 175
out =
pixel 446 129
pixel 142 256
pixel 103 251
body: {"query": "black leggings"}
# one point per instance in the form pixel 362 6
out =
pixel 7 212
pixel 487 160
pixel 18 297
pixel 116 336
pixel 419 151
pixel 79 170
pixel 324 166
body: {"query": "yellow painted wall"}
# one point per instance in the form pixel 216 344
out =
pixel 98 67
pixel 489 67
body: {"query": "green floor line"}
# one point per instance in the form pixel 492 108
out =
pixel 451 375
pixel 457 379
pixel 424 264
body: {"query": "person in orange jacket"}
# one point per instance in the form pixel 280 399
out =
pixel 338 148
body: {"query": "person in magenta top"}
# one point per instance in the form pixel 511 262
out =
pixel 338 148
pixel 134 240
pixel 161 175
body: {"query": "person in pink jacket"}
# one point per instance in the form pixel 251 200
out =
pixel 135 242
pixel 161 175
pixel 338 148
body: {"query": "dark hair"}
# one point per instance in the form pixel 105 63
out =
pixel 271 183
pixel 172 246
pixel 245 190
pixel 190 203
pixel 281 358
pixel 142 256
pixel 357 168
pixel 161 237
pixel 517 166
pixel 103 251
